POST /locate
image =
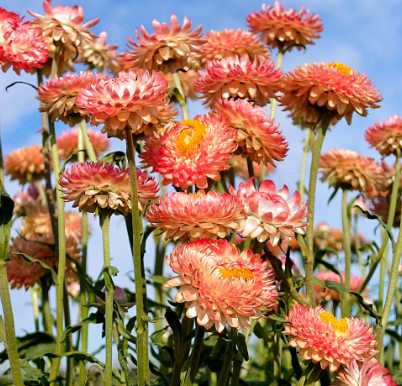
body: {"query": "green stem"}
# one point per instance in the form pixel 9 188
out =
pixel 250 168
pixel 181 98
pixel 236 371
pixel 42 193
pixel 47 315
pixel 35 306
pixel 306 149
pixel 88 145
pixel 357 247
pixel 69 344
pixel 11 341
pixel 383 272
pixel 1 165
pixel 229 354
pixel 195 356
pixel 55 61
pixel 139 274
pixel 348 258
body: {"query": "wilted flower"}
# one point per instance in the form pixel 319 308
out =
pixel 332 89
pixel 133 101
pixel 119 296
pixel 285 29
pixel 386 137
pixel 347 169
pixel 219 284
pixel 195 216
pixel 229 43
pixel 174 45
pixel 241 169
pixel 269 214
pixel 190 152
pixel 106 187
pixel 67 143
pixel 26 164
pixel 257 137
pixel 26 201
pixel 239 78
pixel 187 80
pixel 324 339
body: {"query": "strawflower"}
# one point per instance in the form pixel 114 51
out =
pixel 26 201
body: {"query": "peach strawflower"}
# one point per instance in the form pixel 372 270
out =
pixel 285 29
pixel 347 169
pixel 189 152
pixel 220 284
pixel 134 101
pixel 324 339
pixel 229 43
pixel 187 80
pixel 269 213
pixel 257 137
pixel 195 216
pixel 21 44
pixel 67 143
pixel 239 78
pixel 386 137
pixel 98 54
pixel 26 164
pixel 26 201
pixel 106 187
pixel 366 373
pixel 174 45
pixel 22 273
pixel 241 169
pixel 326 237
pixel 327 88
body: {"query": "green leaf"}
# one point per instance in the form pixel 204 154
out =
pixel 126 372
pixel 29 373
pixel 37 261
pixel 350 207
pixel 213 363
pixel 124 333
pixel 159 279
pixel 78 355
pixel 147 233
pixel 332 195
pixel 242 346
pixel 319 282
pixel 94 318
pixel 394 334
pixel 39 351
pixel 156 337
pixel 277 317
pixel 329 266
pixel 174 323
pixel 260 333
pixel 6 214
pixel 117 157
pixel 70 157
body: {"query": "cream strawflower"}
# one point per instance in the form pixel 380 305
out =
pixel 285 29
pixel 269 213
pixel 257 137
pixel 239 78
pixel 322 338
pixel 220 285
pixel 190 152
pixel 195 216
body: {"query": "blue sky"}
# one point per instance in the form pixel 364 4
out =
pixel 363 34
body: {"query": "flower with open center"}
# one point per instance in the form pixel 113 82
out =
pixel 220 285
pixel 322 338
pixel 192 151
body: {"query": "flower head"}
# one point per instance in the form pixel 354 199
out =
pixel 119 296
pixel 324 339
pixel 26 201
pixel 326 237
pixel 347 169
pixel 25 164
pixel 67 143
pixel 195 216
pixel 106 187
pixel 174 45
pixel 380 205
pixel 269 213
pixel 257 137
pixel 133 101
pixel 190 152
pixel 332 89
pixel 386 137
pixel 285 29
pixel 219 284
pixel 229 43
pixel 239 78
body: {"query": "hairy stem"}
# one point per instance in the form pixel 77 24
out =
pixel 35 306
pixel 88 145
pixel 348 258
pixel 306 149
pixel 47 315
pixel 229 354
pixel 357 246
pixel 181 98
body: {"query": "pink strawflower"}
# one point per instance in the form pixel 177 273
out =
pixel 106 187
pixel 366 373
pixel 269 214
pixel 386 137
pixel 241 169
pixel 239 78
pixel 322 338
pixel 220 284
pixel 332 89
pixel 347 169
pixel 67 143
pixel 189 152
pixel 195 216
pixel 21 44
pixel 229 43
pixel 285 29
pixel 257 137
pixel 26 164
pixel 74 288
pixel 26 201
pixel 134 101
pixel 174 45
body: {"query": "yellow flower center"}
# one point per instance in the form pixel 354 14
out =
pixel 191 137
pixel 340 326
pixel 199 194
pixel 340 67
pixel 237 273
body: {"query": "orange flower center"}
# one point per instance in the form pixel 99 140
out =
pixel 237 273
pixel 339 326
pixel 199 194
pixel 340 67
pixel 191 137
